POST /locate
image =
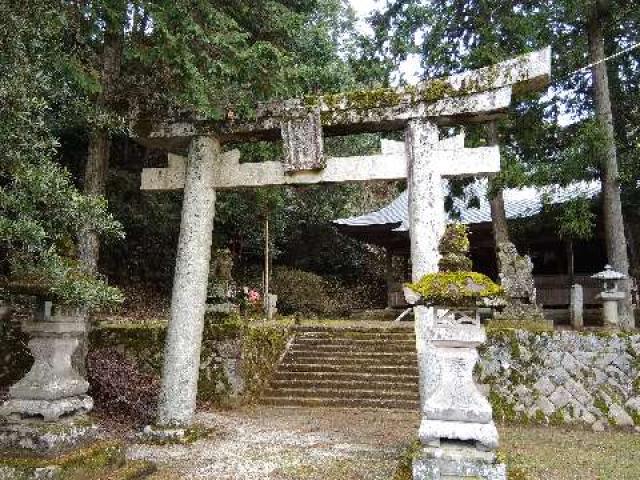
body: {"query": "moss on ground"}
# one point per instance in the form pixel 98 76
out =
pixel 191 435
pixel 77 464
pixel 505 326
pixel 405 462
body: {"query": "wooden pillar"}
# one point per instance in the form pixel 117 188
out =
pixel 388 271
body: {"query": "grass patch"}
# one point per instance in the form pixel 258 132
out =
pixel 562 454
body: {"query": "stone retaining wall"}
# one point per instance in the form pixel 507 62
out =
pixel 236 361
pixel 563 377
pixel 558 378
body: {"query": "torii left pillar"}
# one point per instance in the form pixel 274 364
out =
pixel 177 401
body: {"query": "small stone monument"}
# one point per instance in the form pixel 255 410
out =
pixel 611 296
pixel 219 284
pixel 43 406
pixel 576 307
pixel 516 278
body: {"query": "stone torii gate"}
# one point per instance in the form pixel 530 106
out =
pixel 424 158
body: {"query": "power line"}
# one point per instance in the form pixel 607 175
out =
pixel 606 59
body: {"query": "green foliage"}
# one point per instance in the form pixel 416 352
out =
pixel 454 247
pixel 576 220
pixel 456 288
pixel 455 284
pixel 455 240
pixel 41 210
pixel 537 145
pixel 301 292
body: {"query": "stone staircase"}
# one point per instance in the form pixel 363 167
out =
pixel 360 367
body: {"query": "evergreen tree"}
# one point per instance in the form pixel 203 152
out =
pixel 452 35
pixel 41 209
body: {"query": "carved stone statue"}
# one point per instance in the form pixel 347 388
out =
pixel 220 275
pixel 516 274
pixel 516 277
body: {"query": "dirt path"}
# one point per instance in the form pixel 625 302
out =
pixel 291 443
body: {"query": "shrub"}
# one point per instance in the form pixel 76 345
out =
pixel 455 285
pixel 456 288
pixel 454 247
pixel 119 389
pixel 301 292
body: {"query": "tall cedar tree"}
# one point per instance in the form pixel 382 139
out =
pixel 451 35
pixel 154 59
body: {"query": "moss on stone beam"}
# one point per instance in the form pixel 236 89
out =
pixel 430 92
pixel 455 288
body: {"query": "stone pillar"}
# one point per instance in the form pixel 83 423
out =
pixel 426 199
pixel 427 224
pixel 610 301
pixel 576 307
pixel 456 430
pixel 188 302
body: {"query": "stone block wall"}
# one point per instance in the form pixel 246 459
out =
pixel 236 361
pixel 562 377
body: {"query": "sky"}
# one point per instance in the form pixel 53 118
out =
pixel 410 68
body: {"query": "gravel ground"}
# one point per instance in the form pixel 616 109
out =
pixel 269 443
pixel 286 444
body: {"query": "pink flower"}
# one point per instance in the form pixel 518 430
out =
pixel 253 296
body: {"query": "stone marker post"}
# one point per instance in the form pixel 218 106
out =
pixel 576 307
pixel 188 302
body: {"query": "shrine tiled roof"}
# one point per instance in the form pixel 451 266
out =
pixel 519 203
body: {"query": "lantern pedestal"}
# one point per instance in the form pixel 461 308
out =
pixel 457 430
pixel 45 408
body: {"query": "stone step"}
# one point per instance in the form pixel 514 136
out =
pixel 388 327
pixel 342 403
pixel 351 360
pixel 353 368
pixel 340 393
pixel 371 336
pixel 349 344
pixel 284 375
pixel 345 384
pixel 391 357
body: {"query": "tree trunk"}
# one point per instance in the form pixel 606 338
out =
pixel 99 139
pixel 498 213
pixel 267 272
pixel 98 161
pixel 612 205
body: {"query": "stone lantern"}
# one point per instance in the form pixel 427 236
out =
pixel 43 406
pixel 610 295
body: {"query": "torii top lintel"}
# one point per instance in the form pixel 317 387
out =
pixel 471 97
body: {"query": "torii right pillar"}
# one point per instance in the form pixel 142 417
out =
pixel 457 432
